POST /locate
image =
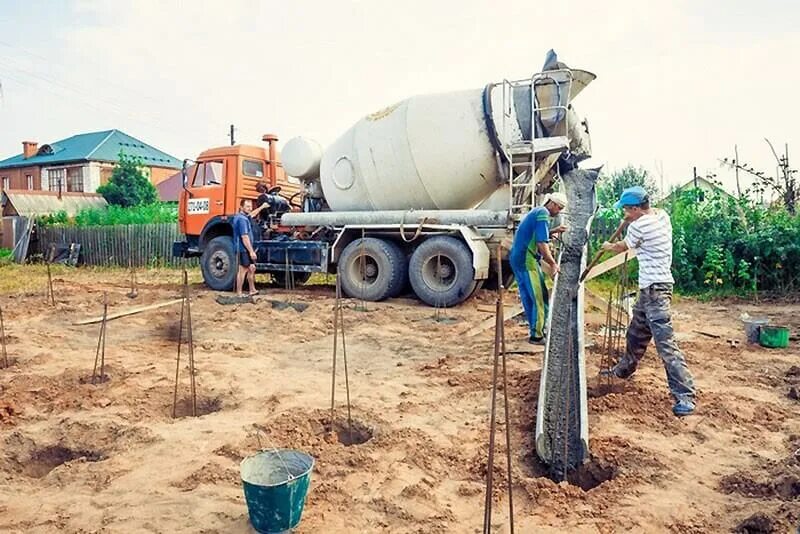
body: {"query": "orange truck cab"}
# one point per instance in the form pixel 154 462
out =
pixel 214 186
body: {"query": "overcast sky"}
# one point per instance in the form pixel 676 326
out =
pixel 678 82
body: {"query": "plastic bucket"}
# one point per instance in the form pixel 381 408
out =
pixel 275 486
pixel 752 328
pixel 774 337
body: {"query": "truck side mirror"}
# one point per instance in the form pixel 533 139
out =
pixel 184 175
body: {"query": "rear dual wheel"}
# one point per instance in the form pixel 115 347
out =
pixel 373 269
pixel 441 271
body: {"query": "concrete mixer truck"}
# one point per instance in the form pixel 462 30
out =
pixel 417 195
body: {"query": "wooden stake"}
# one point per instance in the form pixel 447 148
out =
pixel 186 315
pixel 100 353
pixel 49 276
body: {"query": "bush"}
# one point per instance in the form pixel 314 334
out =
pixel 159 212
pixel 723 244
pixel 6 256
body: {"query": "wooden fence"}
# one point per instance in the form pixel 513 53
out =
pixel 142 245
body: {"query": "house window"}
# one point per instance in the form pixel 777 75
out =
pixel 5 183
pixel 253 168
pixel 208 174
pixel 75 179
pixel 56 179
pixel 29 179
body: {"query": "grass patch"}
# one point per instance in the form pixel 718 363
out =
pixel 32 278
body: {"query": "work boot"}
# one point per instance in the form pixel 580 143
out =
pixel 683 407
pixel 616 372
pixel 533 340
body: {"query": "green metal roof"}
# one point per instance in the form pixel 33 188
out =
pixel 95 146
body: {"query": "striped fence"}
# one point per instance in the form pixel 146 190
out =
pixel 141 245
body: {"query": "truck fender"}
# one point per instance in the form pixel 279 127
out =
pixel 481 256
pixel 216 226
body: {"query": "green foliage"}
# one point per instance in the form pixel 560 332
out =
pixel 159 212
pixel 128 186
pixel 6 256
pixel 57 218
pixel 724 243
pixel 610 186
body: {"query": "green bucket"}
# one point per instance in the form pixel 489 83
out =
pixel 275 486
pixel 774 337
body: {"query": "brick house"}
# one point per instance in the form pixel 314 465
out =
pixel 81 163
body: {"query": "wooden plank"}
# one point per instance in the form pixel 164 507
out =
pixel 611 263
pixel 601 303
pixel 508 313
pixel 129 311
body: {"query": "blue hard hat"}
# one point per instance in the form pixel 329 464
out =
pixel 632 196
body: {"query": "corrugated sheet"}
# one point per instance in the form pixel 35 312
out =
pixel 28 203
pixel 96 146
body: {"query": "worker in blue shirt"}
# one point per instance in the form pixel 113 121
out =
pixel 243 247
pixel 531 246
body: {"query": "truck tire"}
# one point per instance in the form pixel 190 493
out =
pixel 219 264
pixel 372 269
pixel 279 278
pixel 441 271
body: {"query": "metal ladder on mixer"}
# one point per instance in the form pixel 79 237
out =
pixel 522 154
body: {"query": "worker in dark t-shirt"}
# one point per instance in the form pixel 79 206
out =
pixel 243 247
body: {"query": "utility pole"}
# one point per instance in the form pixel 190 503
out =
pixel 231 135
pixel 694 173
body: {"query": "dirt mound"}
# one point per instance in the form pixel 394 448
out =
pixel 777 480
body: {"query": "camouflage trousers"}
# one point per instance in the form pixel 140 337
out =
pixel 652 320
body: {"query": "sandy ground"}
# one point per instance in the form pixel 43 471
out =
pixel 78 457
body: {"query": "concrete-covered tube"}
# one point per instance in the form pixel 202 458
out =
pixel 486 218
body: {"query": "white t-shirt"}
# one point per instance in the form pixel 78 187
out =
pixel 651 236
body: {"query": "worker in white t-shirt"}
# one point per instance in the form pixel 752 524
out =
pixel 650 233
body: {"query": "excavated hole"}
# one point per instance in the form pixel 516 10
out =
pixel 758 523
pixel 589 476
pixel 97 379
pixel 205 406
pixel 46 459
pixel 357 433
pixel 592 474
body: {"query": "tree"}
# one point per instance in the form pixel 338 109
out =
pixel 128 186
pixel 784 184
pixel 611 185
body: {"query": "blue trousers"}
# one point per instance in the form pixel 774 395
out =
pixel 532 292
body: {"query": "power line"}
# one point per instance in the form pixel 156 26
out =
pixel 96 78
pixel 76 94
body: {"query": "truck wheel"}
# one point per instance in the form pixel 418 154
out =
pixel 372 269
pixel 279 278
pixel 441 271
pixel 219 264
